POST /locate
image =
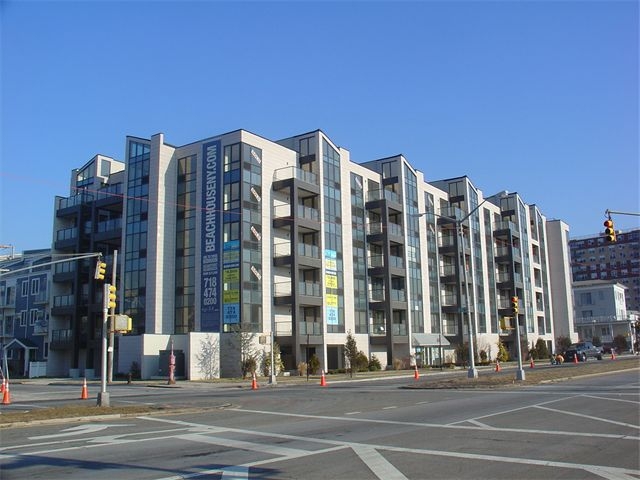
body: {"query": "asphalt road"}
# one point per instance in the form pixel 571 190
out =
pixel 582 429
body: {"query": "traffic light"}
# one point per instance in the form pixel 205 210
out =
pixel 514 306
pixel 111 296
pixel 101 270
pixel 609 231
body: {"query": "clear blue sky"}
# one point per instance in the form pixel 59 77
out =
pixel 537 97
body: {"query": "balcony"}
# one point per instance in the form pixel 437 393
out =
pixel 61 339
pixel 66 237
pixel 287 176
pixel 310 328
pixel 64 203
pixel 383 194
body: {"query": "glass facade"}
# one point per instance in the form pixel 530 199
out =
pixel 135 256
pixel 333 258
pixel 416 305
pixel 359 254
pixel 185 245
pixel 251 231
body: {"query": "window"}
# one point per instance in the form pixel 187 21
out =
pixel 35 286
pixel 231 157
pixel 231 231
pixel 231 196
pixel 23 318
pixel 25 288
pixel 33 316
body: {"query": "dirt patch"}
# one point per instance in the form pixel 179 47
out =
pixel 533 376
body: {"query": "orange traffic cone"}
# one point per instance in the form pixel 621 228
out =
pixel 575 358
pixel 323 381
pixel 254 383
pixel 84 395
pixel 6 397
pixel 613 354
pixel 498 367
pixel 532 364
pixel 416 375
pixel 2 385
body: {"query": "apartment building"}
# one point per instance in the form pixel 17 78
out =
pixel 601 312
pixel 24 312
pixel 234 242
pixel 593 258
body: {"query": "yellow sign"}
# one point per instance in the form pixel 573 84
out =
pixel 231 275
pixel 331 281
pixel 331 300
pixel 231 296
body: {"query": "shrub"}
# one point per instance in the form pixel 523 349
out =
pixel 134 370
pixel 503 353
pixel 397 363
pixel 374 364
pixel 249 366
pixel 314 364
pixel 541 351
pixel 483 356
pixel 302 369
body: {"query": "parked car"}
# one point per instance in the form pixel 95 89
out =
pixel 583 350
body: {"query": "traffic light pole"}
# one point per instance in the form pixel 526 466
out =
pixel 111 345
pixel 103 396
pixel 520 372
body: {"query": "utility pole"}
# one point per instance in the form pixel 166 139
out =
pixel 112 313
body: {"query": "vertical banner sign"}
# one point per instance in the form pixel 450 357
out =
pixel 210 237
pixel 331 283
pixel 231 281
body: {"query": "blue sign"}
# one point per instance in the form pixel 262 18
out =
pixel 211 222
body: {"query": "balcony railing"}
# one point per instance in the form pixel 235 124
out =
pixel 308 213
pixel 605 319
pixel 378 328
pixel 399 328
pixel 61 338
pixel 310 289
pixel 64 301
pixel 110 225
pixel 447 270
pixel 64 267
pixel 449 299
pixel 293 172
pixel 398 295
pixel 396 262
pixel 74 200
pixel 383 194
pixel 376 295
pixel 310 328
pixel 66 234
pixel 376 261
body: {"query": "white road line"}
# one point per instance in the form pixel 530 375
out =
pixel 509 411
pixel 380 466
pixel 604 471
pixel 352 413
pixel 389 408
pixel 590 417
pixel 235 473
pixel 438 425
pixel 612 399
pixel 242 445
pixel 483 425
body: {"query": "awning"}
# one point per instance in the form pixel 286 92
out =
pixel 429 340
pixel 22 342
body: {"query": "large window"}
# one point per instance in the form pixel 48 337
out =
pixel 185 246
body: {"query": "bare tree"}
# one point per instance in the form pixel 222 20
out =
pixel 208 358
pixel 244 342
